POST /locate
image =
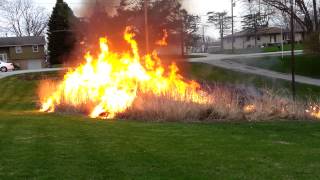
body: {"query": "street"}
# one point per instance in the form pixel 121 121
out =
pixel 226 61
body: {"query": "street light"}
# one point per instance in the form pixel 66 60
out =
pixel 233 4
pixel 292 51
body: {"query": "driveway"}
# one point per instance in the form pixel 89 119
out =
pixel 11 73
pixel 226 61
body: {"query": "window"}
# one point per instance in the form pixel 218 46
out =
pixel 3 57
pixel 248 38
pixel 258 38
pixel 35 48
pixel 18 49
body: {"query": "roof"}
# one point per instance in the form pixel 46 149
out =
pixel 262 31
pixel 22 41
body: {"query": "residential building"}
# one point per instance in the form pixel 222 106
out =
pixel 265 37
pixel 25 52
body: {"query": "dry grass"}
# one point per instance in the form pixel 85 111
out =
pixel 229 104
pixel 226 103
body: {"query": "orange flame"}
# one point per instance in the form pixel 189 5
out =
pixel 249 108
pixel 108 84
pixel 314 111
pixel 163 41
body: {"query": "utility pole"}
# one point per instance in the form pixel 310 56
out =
pixel 282 38
pixel 182 35
pixel 232 25
pixel 146 24
pixel 203 38
pixel 292 51
pixel 315 14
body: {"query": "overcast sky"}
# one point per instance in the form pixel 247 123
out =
pixel 198 7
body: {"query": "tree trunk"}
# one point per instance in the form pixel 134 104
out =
pixel 315 12
pixel 221 34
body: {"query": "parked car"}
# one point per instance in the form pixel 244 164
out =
pixel 4 67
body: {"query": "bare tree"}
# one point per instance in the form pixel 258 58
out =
pixel 222 21
pixel 23 18
pixel 304 14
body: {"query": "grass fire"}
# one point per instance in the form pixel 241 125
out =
pixel 109 84
pixel 131 86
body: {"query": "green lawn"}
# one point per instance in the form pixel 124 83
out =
pixel 306 65
pixel 286 47
pixel 35 145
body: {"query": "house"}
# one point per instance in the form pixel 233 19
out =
pixel 265 37
pixel 25 52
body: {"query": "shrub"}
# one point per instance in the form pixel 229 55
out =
pixel 312 43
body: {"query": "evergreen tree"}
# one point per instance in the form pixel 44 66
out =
pixel 61 34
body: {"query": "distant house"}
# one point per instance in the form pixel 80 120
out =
pixel 25 52
pixel 265 37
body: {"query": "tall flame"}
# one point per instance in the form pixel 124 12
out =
pixel 163 41
pixel 108 84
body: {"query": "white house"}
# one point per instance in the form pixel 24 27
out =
pixel 265 37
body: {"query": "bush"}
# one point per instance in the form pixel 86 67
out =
pixel 312 44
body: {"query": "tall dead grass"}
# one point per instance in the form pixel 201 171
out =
pixel 226 103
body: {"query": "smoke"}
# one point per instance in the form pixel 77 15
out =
pixel 108 5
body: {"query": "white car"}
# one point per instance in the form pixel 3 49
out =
pixel 4 67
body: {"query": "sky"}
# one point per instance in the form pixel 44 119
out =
pixel 196 7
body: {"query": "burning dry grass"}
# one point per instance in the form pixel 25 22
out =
pixel 133 86
pixel 225 104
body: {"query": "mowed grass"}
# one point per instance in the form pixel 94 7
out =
pixel 286 47
pixel 36 145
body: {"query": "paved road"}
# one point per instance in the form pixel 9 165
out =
pixel 11 73
pixel 227 62
pixel 220 60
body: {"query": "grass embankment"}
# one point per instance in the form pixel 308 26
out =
pixel 286 47
pixel 201 71
pixel 306 65
pixel 57 146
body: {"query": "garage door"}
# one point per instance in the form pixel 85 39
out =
pixel 34 64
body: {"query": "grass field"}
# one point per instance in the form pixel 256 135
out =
pixel 306 65
pixel 58 146
pixel 286 47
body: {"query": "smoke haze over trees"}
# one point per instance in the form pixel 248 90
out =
pixel 162 14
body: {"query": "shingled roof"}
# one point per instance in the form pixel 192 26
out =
pixel 22 41
pixel 263 31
